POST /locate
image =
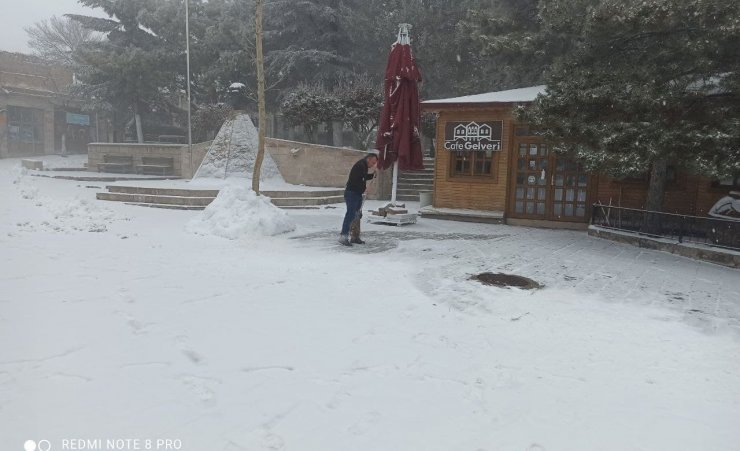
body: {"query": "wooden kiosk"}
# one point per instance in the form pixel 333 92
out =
pixel 490 168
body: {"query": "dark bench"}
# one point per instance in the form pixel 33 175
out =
pixel 155 165
pixel 116 163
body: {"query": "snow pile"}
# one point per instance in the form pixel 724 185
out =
pixel 52 162
pixel 77 214
pixel 238 212
pixel 24 186
pixel 80 215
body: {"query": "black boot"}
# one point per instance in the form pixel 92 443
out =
pixel 356 240
pixel 344 241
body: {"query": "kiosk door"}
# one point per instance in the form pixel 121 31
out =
pixel 570 190
pixel 548 186
pixel 532 180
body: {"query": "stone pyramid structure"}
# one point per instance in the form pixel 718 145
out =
pixel 234 151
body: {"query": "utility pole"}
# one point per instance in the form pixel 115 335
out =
pixel 187 61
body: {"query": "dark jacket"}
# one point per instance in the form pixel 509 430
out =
pixel 358 177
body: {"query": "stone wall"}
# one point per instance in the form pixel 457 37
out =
pixel 96 151
pixel 317 165
pixel 299 163
pixel 312 164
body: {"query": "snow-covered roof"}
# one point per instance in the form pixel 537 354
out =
pixel 511 95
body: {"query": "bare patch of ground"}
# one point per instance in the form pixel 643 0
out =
pixel 506 280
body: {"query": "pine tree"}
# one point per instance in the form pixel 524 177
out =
pixel 126 71
pixel 646 83
pixel 305 41
pixel 226 49
pixel 506 44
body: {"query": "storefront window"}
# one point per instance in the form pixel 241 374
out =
pixel 25 130
pixel 478 164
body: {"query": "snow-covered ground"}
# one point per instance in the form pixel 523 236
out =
pixel 119 322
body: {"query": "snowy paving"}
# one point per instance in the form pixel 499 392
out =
pixel 117 322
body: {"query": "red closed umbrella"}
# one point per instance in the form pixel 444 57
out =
pixel 398 139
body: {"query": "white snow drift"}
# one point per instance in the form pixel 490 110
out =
pixel 237 212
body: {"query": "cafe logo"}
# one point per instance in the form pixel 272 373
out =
pixel 473 136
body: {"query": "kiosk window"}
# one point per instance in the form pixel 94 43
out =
pixel 478 164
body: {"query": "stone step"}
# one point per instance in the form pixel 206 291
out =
pixel 416 174
pixel 168 207
pixel 415 185
pixel 412 192
pixel 300 207
pixel 416 180
pixel 214 193
pixel 419 172
pixel 407 198
pixel 285 194
pixel 162 191
pixel 419 183
pixel 196 207
pixel 101 178
pixel 192 199
pixel 306 201
pixel 155 199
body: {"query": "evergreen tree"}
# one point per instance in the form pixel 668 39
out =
pixel 450 65
pixel 306 41
pixel 127 71
pixel 507 44
pixel 359 99
pixel 227 50
pixel 310 105
pixel 646 83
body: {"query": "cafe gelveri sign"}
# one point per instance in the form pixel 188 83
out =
pixel 473 136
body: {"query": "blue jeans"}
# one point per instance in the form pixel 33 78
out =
pixel 354 203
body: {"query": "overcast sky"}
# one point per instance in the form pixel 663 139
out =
pixel 15 15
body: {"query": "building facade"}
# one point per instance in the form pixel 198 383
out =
pixel 37 117
pixel 488 161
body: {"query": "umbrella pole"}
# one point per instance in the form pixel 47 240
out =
pixel 394 189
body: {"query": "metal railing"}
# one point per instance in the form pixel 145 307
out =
pixel 709 231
